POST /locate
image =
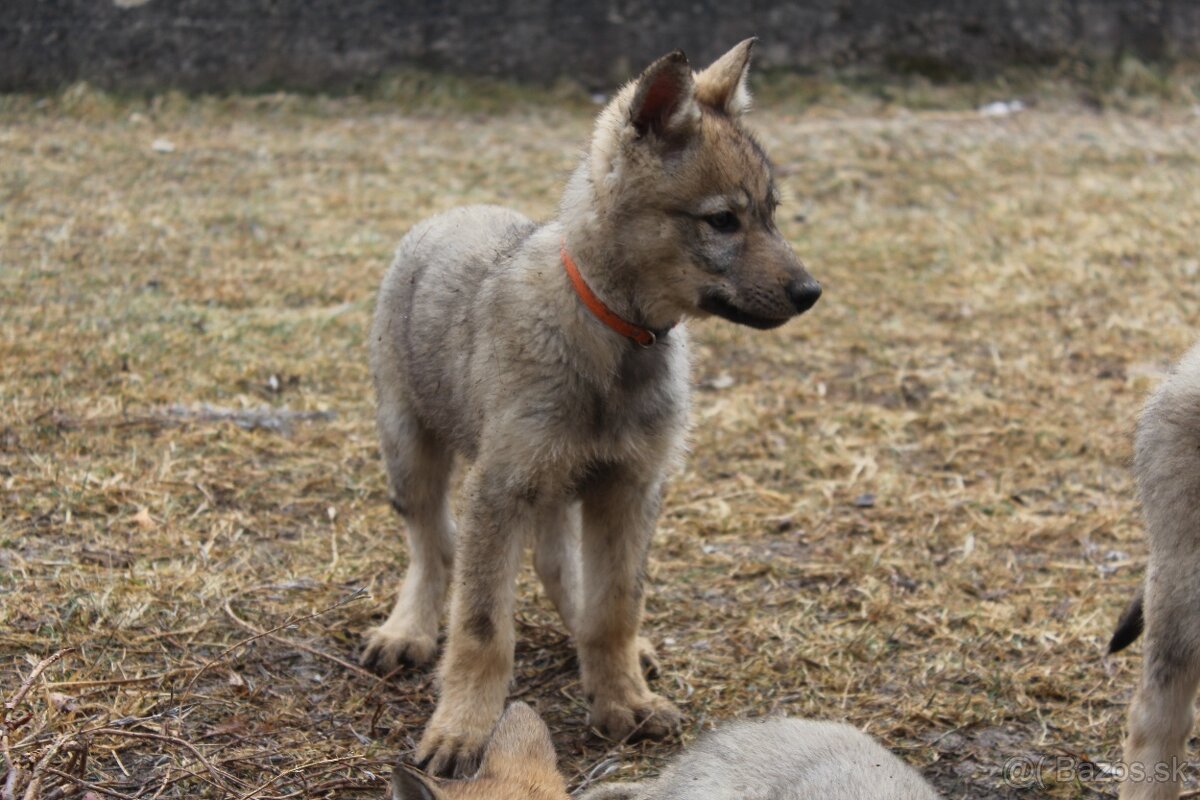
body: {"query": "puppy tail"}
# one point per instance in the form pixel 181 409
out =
pixel 1130 625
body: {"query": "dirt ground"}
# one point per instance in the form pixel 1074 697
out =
pixel 910 509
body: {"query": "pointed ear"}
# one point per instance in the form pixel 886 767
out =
pixel 664 102
pixel 723 85
pixel 519 741
pixel 408 784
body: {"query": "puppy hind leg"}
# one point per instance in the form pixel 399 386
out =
pixel 418 468
pixel 557 560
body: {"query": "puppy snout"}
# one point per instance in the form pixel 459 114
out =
pixel 804 293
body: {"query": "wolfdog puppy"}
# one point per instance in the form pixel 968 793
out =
pixel 1167 465
pixel 553 359
pixel 779 759
pixel 774 759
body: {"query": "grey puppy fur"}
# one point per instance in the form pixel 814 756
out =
pixel 1167 465
pixel 779 759
pixel 482 347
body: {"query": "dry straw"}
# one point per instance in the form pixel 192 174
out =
pixel 910 509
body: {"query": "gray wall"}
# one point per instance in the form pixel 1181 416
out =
pixel 312 44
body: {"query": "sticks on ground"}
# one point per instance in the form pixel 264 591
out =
pixel 15 777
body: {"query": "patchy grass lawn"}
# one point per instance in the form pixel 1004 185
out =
pixel 910 509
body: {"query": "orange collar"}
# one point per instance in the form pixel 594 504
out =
pixel 643 336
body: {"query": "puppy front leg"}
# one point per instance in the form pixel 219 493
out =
pixel 477 665
pixel 619 514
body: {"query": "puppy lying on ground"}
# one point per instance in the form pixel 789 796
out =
pixel 775 759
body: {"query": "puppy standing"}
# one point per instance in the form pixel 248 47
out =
pixel 551 357
pixel 774 759
pixel 1167 463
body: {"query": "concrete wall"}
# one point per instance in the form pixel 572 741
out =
pixel 314 44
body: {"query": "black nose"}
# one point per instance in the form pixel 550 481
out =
pixel 804 294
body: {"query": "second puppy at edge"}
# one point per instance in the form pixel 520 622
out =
pixel 552 358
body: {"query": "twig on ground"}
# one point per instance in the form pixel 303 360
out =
pixel 220 777
pixel 14 701
pixel 299 645
pixel 588 776
pixel 35 777
pixel 260 634
pixel 16 776
pixel 157 677
pixel 95 787
pixel 294 770
pixel 12 782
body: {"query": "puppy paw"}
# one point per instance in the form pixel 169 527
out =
pixel 647 716
pixel 451 751
pixel 388 649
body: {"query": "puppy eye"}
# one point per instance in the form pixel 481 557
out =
pixel 723 221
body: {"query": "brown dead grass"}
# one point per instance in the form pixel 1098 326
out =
pixel 910 509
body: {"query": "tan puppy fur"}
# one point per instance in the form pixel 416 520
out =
pixel 482 348
pixel 1167 463
pixel 775 759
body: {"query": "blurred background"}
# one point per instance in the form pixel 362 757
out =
pixel 223 45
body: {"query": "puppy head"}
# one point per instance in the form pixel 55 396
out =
pixel 691 196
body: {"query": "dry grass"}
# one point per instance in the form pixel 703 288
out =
pixel 910 509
